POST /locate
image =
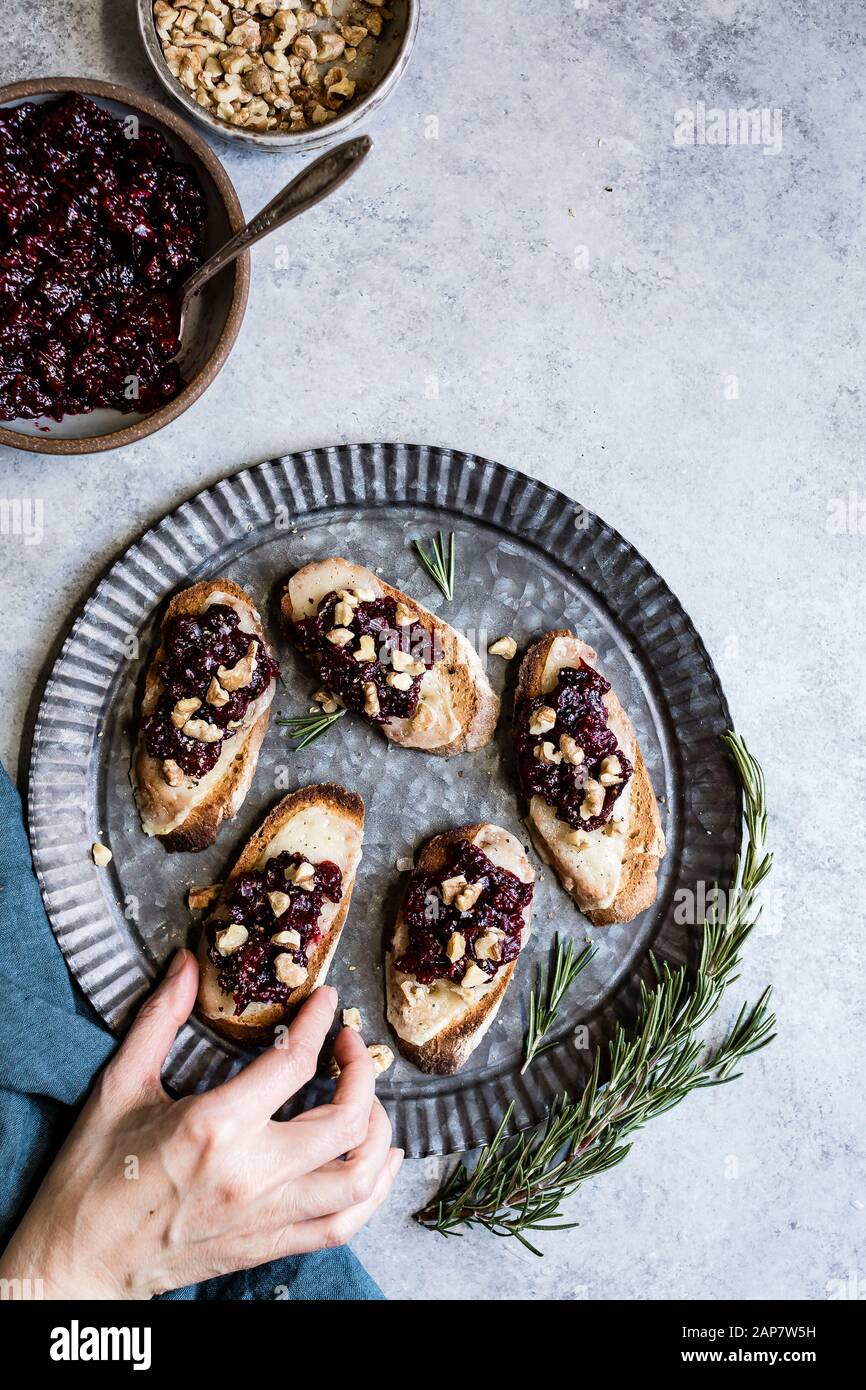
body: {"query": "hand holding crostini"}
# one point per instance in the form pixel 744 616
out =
pixel 219 1186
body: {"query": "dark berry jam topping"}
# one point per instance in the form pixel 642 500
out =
pixel 248 973
pixel 196 648
pixel 491 929
pixel 581 741
pixel 99 226
pixel 403 652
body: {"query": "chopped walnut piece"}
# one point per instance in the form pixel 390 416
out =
pixel 400 680
pixel 302 876
pixel 339 636
pixel 474 976
pixel 210 23
pixel 100 854
pixel 246 35
pixel 403 616
pixel 330 47
pixel 231 939
pixel 172 772
pixel 570 749
pixel 345 89
pixel 258 80
pixel 542 720
pixel 488 946
pixel 202 731
pixel 292 939
pixel 371 699
pixel 456 948
pixel 466 899
pixel 236 61
pixel 197 899
pixel 329 704
pixel 216 695
pixel 382 1057
pixel 400 660
pixel 183 709
pixel 593 799
pixel 611 771
pixel 305 47
pixel 288 972
pixel 352 1019
pixel 450 887
pixel 237 676
pixel 546 753
pixel 280 902
pixel 366 649
pixel 503 646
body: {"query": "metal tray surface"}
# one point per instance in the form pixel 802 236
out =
pixel 529 559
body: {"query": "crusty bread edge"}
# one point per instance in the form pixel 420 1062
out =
pixel 201 826
pixel 348 805
pixel 446 1052
pixel 476 703
pixel 639 884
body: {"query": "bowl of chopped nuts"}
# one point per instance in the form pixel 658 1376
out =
pixel 279 74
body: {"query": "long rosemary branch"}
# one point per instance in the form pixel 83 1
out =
pixel 518 1185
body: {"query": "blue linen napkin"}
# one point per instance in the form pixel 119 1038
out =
pixel 52 1044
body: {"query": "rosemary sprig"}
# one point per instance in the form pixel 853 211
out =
pixel 519 1185
pixel 439 564
pixel 306 728
pixel 548 994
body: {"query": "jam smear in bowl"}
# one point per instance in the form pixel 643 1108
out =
pixel 567 752
pixel 100 224
pixel 466 917
pixel 267 926
pixel 211 672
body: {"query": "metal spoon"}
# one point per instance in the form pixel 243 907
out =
pixel 313 184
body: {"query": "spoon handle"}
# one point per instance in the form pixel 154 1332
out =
pixel 313 184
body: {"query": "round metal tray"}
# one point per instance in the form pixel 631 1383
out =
pixel 530 559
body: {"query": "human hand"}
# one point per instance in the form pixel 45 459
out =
pixel 150 1193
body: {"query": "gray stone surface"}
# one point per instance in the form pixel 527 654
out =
pixel 695 376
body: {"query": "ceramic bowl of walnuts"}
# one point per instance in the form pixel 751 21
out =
pixel 280 74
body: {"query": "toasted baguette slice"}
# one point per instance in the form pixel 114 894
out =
pixel 439 1031
pixel 458 709
pixel 613 876
pixel 188 817
pixel 323 822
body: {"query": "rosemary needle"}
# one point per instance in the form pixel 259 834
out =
pixel 440 562
pixel 306 728
pixel 546 998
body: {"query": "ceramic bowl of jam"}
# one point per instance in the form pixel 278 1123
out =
pixel 108 202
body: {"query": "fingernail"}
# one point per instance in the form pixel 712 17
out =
pixel 332 995
pixel 397 1156
pixel 177 963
